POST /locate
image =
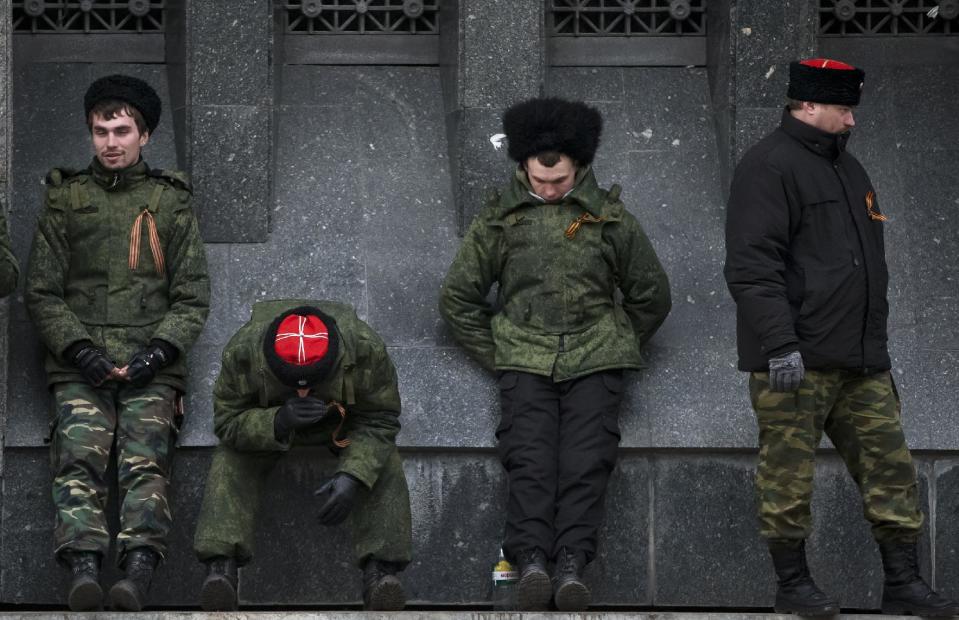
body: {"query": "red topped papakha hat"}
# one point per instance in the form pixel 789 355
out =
pixel 821 80
pixel 300 346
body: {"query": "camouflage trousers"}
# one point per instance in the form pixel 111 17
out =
pixel 380 521
pixel 860 415
pixel 86 423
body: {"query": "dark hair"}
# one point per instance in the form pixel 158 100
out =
pixel 793 105
pixel 111 108
pixel 549 158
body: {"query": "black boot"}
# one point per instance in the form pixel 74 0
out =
pixel 219 588
pixel 130 593
pixel 905 591
pixel 797 592
pixel 569 591
pixel 382 590
pixel 534 590
pixel 85 593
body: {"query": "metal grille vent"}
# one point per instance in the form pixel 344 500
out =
pixel 88 16
pixel 883 18
pixel 363 17
pixel 618 18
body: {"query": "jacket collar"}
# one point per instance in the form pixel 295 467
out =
pixel 822 143
pixel 119 180
pixel 585 194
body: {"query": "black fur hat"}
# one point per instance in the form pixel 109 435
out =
pixel 317 340
pixel 821 80
pixel 130 90
pixel 539 125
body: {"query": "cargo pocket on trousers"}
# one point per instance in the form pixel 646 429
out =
pixel 614 382
pixel 507 386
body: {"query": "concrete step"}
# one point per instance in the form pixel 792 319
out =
pixel 431 615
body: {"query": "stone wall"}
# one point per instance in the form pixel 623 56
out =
pixel 364 204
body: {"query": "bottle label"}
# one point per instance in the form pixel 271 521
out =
pixel 505 575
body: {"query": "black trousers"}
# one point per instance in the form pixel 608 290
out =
pixel 558 443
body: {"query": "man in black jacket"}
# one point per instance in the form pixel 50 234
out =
pixel 806 265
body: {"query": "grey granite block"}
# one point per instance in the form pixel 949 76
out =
pixel 448 400
pixel 477 165
pixel 946 549
pixel 28 400
pixel 590 84
pixel 310 85
pixel 708 552
pixel 405 116
pixel 768 37
pixel 230 63
pixel 921 95
pixel 668 109
pixel 232 206
pixel 204 365
pixel 494 33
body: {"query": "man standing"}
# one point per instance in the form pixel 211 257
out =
pixel 118 289
pixel 307 373
pixel 9 267
pixel 806 265
pixel 559 247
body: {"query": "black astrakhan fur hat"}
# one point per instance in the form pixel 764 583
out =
pixel 297 375
pixel 822 80
pixel 551 124
pixel 128 89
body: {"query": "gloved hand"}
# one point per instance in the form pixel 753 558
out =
pixel 786 372
pixel 93 363
pixel 339 492
pixel 298 412
pixel 146 363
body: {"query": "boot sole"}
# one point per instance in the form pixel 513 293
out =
pixel 218 594
pixel 573 596
pixel 387 595
pixel 85 596
pixel 124 597
pixel 535 591
pixel 807 611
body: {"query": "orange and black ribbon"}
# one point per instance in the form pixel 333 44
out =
pixel 339 443
pixel 582 219
pixel 136 233
pixel 874 213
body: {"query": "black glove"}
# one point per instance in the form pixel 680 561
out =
pixel 786 372
pixel 298 412
pixel 94 365
pixel 146 363
pixel 339 493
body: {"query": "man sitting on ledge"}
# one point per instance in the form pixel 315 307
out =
pixel 307 373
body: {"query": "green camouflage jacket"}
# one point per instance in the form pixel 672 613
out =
pixel 556 313
pixel 84 284
pixel 247 395
pixel 9 267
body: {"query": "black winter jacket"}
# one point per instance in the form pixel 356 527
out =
pixel 805 259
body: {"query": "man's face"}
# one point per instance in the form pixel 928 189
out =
pixel 828 117
pixel 117 141
pixel 551 183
